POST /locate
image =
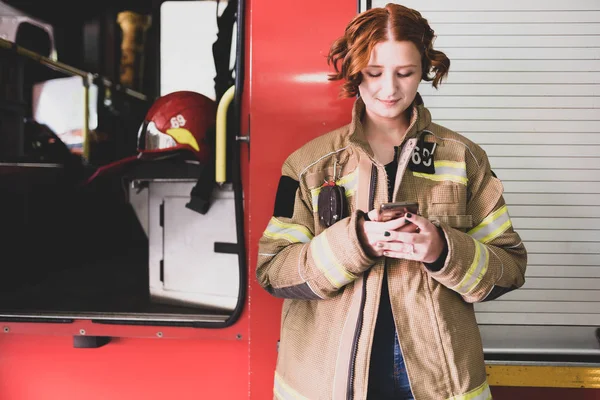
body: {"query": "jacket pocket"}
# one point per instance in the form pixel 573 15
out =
pixel 287 316
pixel 287 306
pixel 455 221
pixel 445 193
pixel 447 203
pixel 447 199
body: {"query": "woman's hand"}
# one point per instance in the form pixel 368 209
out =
pixel 424 244
pixel 371 232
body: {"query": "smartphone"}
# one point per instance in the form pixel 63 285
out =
pixel 389 211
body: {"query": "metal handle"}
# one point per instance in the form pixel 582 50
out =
pixel 87 77
pixel 221 145
pixel 66 69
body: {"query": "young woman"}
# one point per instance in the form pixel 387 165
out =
pixel 384 310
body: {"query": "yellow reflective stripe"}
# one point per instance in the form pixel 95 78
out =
pixel 441 178
pixel 328 264
pixel 454 171
pixel 284 392
pixel 293 233
pixel 349 182
pixel 481 392
pixel 492 226
pixel 476 271
pixel 451 164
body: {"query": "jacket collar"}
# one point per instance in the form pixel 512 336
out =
pixel 420 119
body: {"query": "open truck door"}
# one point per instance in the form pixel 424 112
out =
pixel 123 209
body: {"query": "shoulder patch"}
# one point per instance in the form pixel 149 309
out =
pixel 286 197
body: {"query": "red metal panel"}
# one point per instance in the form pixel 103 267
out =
pixel 291 102
pixel 49 368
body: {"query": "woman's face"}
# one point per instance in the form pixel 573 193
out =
pixel 390 80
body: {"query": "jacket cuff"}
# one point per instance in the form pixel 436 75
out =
pixel 441 261
pixel 466 264
pixel 346 246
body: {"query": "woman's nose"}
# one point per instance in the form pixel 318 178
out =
pixel 389 85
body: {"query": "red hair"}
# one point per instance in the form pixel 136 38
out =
pixel 350 53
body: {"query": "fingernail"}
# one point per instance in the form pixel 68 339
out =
pixel 379 245
pixel 408 215
pixel 386 253
pixel 386 233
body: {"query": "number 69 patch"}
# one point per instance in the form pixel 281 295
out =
pixel 422 158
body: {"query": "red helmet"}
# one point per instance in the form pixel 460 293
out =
pixel 179 120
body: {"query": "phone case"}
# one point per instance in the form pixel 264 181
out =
pixel 332 204
pixel 389 211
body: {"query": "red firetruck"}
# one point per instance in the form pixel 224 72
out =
pixel 123 280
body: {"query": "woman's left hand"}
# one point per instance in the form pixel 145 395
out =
pixel 426 245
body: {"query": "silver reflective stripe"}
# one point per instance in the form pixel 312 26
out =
pixel 480 393
pixel 476 271
pixel 492 226
pixel 453 171
pixel 293 233
pixel 284 392
pixel 328 264
pixel 302 291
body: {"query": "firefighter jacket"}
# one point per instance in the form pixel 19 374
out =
pixel 332 287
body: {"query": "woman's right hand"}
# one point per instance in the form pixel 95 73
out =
pixel 370 232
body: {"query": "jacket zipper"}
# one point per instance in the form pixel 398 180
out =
pixel 349 390
pixel 372 186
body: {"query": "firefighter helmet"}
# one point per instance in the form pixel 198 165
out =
pixel 179 120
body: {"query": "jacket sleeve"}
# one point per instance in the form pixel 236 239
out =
pixel 292 262
pixel 490 259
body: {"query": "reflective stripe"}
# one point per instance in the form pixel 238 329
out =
pixel 301 291
pixel 480 393
pixel 453 171
pixel 326 261
pixel 284 392
pixel 293 233
pixel 492 226
pixel 349 182
pixel 476 271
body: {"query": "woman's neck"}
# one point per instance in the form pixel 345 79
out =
pixel 383 134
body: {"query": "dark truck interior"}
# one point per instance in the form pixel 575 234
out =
pixel 71 249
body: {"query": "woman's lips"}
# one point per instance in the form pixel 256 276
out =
pixel 388 103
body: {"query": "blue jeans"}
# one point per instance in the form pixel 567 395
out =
pixel 389 382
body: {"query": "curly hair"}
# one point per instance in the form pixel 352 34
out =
pixel 350 53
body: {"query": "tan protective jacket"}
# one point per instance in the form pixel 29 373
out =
pixel 332 287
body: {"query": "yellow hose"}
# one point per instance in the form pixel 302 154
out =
pixel 221 145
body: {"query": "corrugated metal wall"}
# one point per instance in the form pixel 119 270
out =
pixel 524 83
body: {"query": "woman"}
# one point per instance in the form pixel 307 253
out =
pixel 384 310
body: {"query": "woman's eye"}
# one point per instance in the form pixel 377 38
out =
pixel 373 75
pixel 405 75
